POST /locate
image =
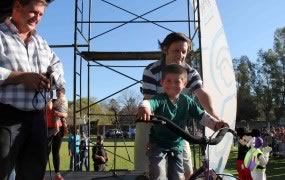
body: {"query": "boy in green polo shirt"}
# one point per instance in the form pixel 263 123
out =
pixel 165 145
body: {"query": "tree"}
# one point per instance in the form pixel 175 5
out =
pixel 262 85
pixel 246 109
pixel 129 101
pixel 94 109
pixel 279 73
pixel 244 71
pixel 109 108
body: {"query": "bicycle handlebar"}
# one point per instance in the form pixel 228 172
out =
pixel 187 136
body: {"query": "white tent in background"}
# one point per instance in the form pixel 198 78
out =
pixel 218 77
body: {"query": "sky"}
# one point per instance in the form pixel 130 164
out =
pixel 249 26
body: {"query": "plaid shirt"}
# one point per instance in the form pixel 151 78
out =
pixel 35 56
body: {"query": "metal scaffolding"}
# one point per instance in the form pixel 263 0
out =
pixel 84 51
pixel 85 24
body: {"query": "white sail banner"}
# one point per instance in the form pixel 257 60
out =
pixel 218 77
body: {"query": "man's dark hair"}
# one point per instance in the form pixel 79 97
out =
pixel 5 9
pixel 174 69
pixel 174 37
pixel 26 2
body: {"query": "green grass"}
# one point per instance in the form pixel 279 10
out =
pixel 125 158
pixel 275 169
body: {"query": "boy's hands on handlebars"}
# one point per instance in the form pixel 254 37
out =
pixel 144 114
pixel 221 124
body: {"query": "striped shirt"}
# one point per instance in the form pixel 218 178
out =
pixel 152 76
pixel 35 56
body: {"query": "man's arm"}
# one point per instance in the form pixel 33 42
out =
pixel 205 101
pixel 212 123
pixel 29 79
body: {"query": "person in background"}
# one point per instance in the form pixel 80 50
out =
pixel 99 155
pixel 259 159
pixel 55 139
pixel 26 59
pixel 165 151
pixel 84 152
pixel 175 47
pixel 60 107
pixel 73 150
pixel 243 139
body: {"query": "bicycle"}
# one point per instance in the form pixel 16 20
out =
pixel 204 171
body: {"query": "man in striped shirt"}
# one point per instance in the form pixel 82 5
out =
pixel 175 48
pixel 27 68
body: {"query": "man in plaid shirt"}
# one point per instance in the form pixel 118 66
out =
pixel 25 61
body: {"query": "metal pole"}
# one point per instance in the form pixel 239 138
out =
pixel 199 35
pixel 74 80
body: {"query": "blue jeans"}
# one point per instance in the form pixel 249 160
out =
pixel 76 158
pixel 12 175
pixel 84 161
pixel 164 164
pixel 23 143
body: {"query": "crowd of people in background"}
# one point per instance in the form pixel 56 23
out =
pixel 275 138
pixel 78 147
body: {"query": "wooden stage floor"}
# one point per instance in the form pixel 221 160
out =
pixel 107 175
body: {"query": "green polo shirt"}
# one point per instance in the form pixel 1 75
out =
pixel 179 113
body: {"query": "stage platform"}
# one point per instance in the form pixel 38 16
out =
pixel 107 175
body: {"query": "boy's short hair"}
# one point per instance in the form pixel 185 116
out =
pixel 174 69
pixel 61 90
